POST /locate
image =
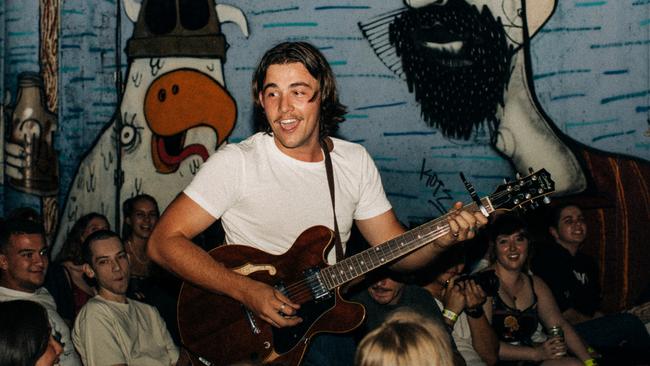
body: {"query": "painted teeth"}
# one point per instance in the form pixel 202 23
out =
pixel 288 121
pixel 450 47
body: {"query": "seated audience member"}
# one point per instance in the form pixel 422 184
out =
pixel 523 300
pixel 112 329
pixel 26 336
pixel 388 294
pixel 140 217
pixel 149 283
pixel 573 278
pixel 65 277
pixel 23 264
pixel 461 303
pixel 406 338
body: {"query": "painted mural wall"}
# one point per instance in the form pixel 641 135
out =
pixel 589 66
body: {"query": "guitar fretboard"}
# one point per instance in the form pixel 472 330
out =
pixel 377 256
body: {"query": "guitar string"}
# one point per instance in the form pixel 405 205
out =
pixel 304 292
pixel 304 287
pixel 443 229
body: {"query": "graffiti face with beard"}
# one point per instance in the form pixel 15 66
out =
pixel 457 60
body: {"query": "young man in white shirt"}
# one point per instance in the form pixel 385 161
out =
pixel 271 187
pixel 112 329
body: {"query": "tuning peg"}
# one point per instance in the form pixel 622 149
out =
pixel 546 200
pixel 518 176
pixel 531 170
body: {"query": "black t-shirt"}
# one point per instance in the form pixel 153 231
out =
pixel 413 297
pixel 572 279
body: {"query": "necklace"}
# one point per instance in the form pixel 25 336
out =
pixel 135 255
pixel 515 288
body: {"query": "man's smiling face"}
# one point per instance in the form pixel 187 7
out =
pixel 24 262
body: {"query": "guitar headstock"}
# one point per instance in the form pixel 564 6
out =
pixel 525 192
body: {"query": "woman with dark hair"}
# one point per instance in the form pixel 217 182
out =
pixel 65 279
pixel 25 335
pixel 148 283
pixel 523 301
pixel 140 217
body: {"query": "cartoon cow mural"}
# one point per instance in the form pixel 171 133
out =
pixel 175 110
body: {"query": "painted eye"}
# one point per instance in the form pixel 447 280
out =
pixel 127 135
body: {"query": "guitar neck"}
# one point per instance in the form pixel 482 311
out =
pixel 377 256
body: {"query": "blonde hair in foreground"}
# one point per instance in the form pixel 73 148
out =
pixel 405 338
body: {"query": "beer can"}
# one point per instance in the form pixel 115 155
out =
pixel 556 331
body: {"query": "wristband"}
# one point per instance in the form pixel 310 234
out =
pixel 450 315
pixel 590 362
pixel 475 313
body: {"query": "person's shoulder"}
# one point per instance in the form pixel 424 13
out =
pixel 252 145
pixel 539 283
pixel 140 304
pixel 352 153
pixel 143 308
pixel 547 252
pixel 95 311
pixel 347 146
pixel 233 153
pixel 95 304
pixel 585 257
pixel 417 293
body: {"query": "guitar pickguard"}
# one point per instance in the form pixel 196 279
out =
pixel 285 339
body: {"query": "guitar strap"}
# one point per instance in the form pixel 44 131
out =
pixel 326 143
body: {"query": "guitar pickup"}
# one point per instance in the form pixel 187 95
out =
pixel 318 289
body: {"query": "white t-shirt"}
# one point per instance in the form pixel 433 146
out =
pixel 462 335
pixel 43 297
pixel 109 333
pixel 266 198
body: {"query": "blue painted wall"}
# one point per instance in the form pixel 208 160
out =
pixel 590 65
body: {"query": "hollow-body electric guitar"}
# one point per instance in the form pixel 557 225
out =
pixel 218 330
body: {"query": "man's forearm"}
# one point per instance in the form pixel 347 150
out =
pixel 182 257
pixel 484 339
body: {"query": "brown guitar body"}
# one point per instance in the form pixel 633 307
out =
pixel 221 331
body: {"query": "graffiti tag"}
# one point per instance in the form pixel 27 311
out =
pixel 439 193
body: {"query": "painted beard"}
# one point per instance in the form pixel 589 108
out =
pixel 457 60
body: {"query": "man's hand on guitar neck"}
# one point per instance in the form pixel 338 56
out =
pixel 463 225
pixel 270 304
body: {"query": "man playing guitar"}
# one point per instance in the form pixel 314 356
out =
pixel 272 186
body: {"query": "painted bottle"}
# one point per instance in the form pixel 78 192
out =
pixel 33 128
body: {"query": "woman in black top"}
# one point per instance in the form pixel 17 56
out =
pixel 523 301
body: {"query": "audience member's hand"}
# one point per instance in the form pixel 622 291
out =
pixel 474 295
pixel 551 349
pixel 454 298
pixel 271 305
